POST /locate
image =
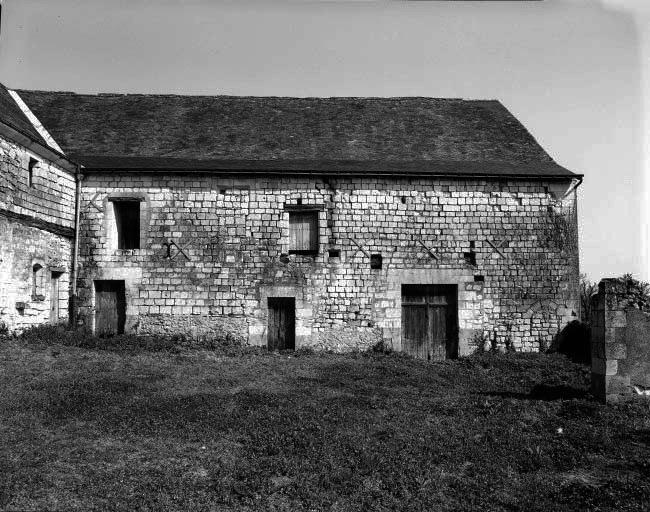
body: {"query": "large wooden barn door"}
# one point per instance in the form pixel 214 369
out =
pixel 429 321
pixel 110 308
pixel 282 323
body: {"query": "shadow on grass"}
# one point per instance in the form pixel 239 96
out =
pixel 140 407
pixel 390 375
pixel 547 393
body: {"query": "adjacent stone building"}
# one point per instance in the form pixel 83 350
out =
pixel 431 225
pixel 37 191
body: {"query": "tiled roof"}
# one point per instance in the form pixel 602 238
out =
pixel 168 131
pixel 11 115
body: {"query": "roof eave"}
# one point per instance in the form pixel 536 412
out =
pixel 283 172
pixel 37 147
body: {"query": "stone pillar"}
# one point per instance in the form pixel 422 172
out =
pixel 620 344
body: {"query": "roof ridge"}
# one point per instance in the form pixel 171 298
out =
pixel 248 96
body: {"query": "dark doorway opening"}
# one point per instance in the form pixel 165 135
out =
pixel 282 323
pixel 110 308
pixel 430 321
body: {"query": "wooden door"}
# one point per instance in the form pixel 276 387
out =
pixel 429 321
pixel 282 323
pixel 110 308
pixel 54 297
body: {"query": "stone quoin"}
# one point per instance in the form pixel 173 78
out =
pixel 434 226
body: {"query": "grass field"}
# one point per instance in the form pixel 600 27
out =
pixel 90 429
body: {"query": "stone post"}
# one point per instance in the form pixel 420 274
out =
pixel 620 344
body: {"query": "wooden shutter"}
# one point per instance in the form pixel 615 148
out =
pixel 303 231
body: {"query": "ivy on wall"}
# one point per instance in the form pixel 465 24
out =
pixel 560 231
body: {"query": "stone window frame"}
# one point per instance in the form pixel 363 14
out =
pixel 318 210
pixel 126 216
pixel 32 164
pixel 38 281
pixel 110 220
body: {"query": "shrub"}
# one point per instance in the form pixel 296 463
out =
pixel 50 334
pixel 587 289
pixel 483 342
pixel 59 334
pixel 381 347
pixel 303 351
pixel 638 292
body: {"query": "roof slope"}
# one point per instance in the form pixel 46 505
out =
pixel 11 115
pixel 108 129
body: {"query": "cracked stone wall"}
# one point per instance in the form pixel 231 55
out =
pixel 214 249
pixel 36 228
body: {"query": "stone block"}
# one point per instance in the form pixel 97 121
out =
pixel 615 351
pixel 615 319
pixel 618 385
pixel 611 367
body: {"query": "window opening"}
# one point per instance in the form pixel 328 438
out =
pixel 127 220
pixel 30 171
pixel 303 232
pixel 470 257
pixel 375 261
pixel 37 282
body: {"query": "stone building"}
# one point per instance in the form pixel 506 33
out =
pixel 37 200
pixel 432 225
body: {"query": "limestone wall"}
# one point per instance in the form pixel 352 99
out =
pixel 21 247
pixel 50 198
pixel 214 247
pixel 620 350
pixel 36 228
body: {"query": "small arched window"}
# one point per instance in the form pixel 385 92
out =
pixel 37 282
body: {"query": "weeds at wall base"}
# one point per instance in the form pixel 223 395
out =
pixel 47 335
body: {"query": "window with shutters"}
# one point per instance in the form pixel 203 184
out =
pixel 127 221
pixel 303 232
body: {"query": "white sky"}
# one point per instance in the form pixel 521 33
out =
pixel 570 70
